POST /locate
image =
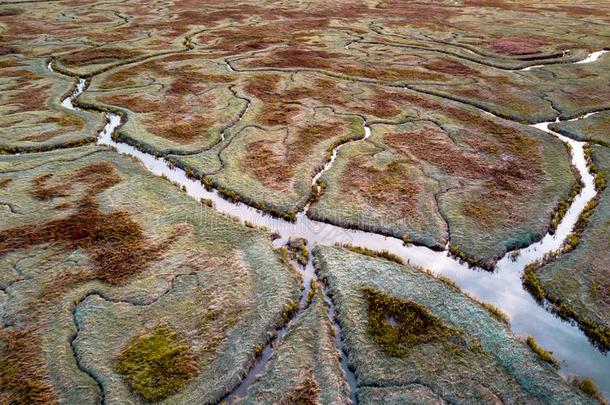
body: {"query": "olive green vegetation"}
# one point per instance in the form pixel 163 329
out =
pixel 458 253
pixel 496 312
pixel 384 254
pixel 397 325
pixel 531 282
pixel 298 250
pixel 447 281
pixel 600 177
pixel 158 364
pixel 587 386
pixel 599 334
pixel 573 239
pixel 289 310
pixel 560 211
pixel 542 353
pixel 207 201
pixel 312 291
pixel 283 254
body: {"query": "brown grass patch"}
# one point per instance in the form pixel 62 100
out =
pixel 275 169
pixel 433 145
pixel 276 110
pixel 99 56
pixel 69 120
pixel 117 247
pixel 263 86
pixel 297 58
pixel 391 74
pixel 42 193
pixel 277 113
pixel 23 79
pixel 306 393
pixel 8 63
pixel 41 137
pixel 7 50
pixel 5 182
pixel 516 45
pixel 381 106
pixel 386 187
pixel 185 126
pixel 184 100
pixel 449 66
pixel 185 132
pixel 267 166
pixel 501 138
pixel 116 243
pixel 316 59
pixel 31 98
pixel 118 79
pixel 133 102
pixel 504 179
pixel 23 369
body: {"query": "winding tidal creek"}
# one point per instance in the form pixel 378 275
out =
pixel 501 287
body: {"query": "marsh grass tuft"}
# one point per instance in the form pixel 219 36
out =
pixel 289 310
pixel 207 202
pixel 531 282
pixel 455 251
pixel 312 291
pixel 496 312
pixel 448 281
pixel 228 195
pixel 397 325
pixel 599 334
pixel 157 365
pixel 600 177
pixel 384 254
pixel 298 250
pixel 560 211
pixel 545 355
pixel 587 386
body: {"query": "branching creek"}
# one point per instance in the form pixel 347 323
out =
pixel 501 287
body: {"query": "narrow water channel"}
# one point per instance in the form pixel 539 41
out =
pixel 501 287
